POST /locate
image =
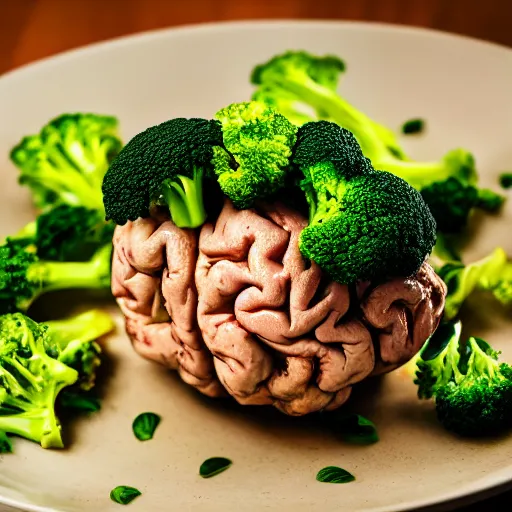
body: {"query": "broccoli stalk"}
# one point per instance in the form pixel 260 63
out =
pixel 184 196
pixel 24 277
pixel 164 165
pixel 472 389
pixel 66 162
pixel 364 224
pixel 448 186
pixel 30 381
pixel 255 159
pixel 313 81
pixel 73 342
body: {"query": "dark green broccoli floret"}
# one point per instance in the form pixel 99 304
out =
pixel 30 381
pixel 66 233
pixel 295 77
pixel 492 273
pixel 364 224
pixel 450 202
pixel 165 165
pixel 258 145
pixel 71 233
pixel 24 277
pixel 73 341
pixel 472 389
pixel 65 163
pixel 506 180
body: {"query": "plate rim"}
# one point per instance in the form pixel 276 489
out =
pixel 447 501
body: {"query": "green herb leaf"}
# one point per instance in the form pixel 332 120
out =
pixel 214 466
pixel 506 180
pixel 413 126
pixel 124 494
pixel 144 425
pixel 356 429
pixel 79 401
pixel 5 443
pixel 334 475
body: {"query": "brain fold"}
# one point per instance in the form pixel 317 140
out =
pixel 237 310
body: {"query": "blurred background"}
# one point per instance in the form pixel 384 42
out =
pixel 32 29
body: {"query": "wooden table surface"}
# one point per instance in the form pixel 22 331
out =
pixel 32 29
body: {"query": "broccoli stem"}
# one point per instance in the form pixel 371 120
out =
pixel 185 200
pixel 51 276
pixel 37 421
pixel 85 327
pixel 337 110
pixel 40 426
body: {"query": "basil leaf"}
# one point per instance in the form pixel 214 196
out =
pixel 356 429
pixel 79 401
pixel 334 475
pixel 124 494
pixel 413 126
pixel 5 443
pixel 144 425
pixel 214 466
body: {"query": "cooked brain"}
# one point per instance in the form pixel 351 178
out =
pixel 236 309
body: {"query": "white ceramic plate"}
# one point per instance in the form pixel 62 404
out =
pixel 462 87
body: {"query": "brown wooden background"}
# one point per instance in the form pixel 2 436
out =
pixel 32 29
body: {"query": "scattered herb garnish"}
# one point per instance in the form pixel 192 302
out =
pixel 124 494
pixel 214 466
pixel 356 429
pixel 79 401
pixel 144 425
pixel 5 443
pixel 334 475
pixel 413 126
pixel 506 180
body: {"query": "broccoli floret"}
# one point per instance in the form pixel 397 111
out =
pixel 304 78
pixel 492 273
pixel 480 404
pixel 451 202
pixel 71 233
pixel 163 165
pixel 438 361
pixel 364 224
pixel 30 381
pixel 24 277
pixel 296 77
pixel 66 233
pixel 65 163
pixel 472 390
pixel 73 341
pixel 258 144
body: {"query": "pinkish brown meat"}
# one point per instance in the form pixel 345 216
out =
pixel 153 281
pixel 240 310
